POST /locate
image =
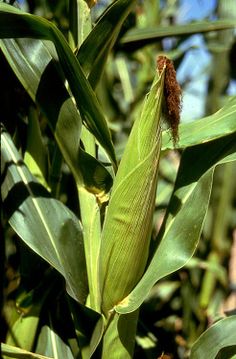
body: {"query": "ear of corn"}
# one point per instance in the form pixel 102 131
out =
pixel 126 233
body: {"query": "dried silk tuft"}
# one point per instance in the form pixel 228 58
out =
pixel 172 95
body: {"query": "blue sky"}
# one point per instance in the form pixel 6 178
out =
pixel 196 63
pixel 195 9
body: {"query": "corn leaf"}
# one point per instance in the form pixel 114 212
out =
pixel 49 343
pixel 219 336
pixel 36 156
pixel 96 338
pixel 15 24
pixel 93 53
pixel 128 222
pixel 43 223
pixel 221 123
pixel 121 334
pixel 80 23
pixel 143 36
pixel 89 327
pixel 33 64
pixel 14 352
pixel 182 226
pixel 24 329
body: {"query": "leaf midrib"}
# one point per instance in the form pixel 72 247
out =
pixel 34 200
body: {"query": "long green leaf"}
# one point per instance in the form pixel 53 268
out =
pixel 52 345
pixel 128 222
pixel 80 23
pixel 23 331
pixel 220 124
pixel 182 226
pixel 36 156
pixel 24 318
pixel 220 335
pixel 143 36
pixel 33 64
pixel 43 223
pixel 18 353
pixel 89 327
pixel 93 53
pixel 15 24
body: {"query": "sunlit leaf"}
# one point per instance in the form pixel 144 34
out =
pixel 52 345
pixel 22 331
pixel 14 352
pixel 182 226
pixel 128 222
pixel 80 23
pixel 123 339
pixel 93 53
pixel 138 37
pixel 220 124
pixel 220 335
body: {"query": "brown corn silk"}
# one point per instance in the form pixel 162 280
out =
pixel 172 95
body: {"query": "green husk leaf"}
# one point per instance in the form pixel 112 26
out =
pixel 127 227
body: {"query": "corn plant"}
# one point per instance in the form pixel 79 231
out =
pixel 97 263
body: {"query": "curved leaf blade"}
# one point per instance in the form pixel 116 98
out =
pixel 220 335
pixel 44 84
pixel 14 352
pixel 181 229
pixel 43 223
pixel 15 24
pixel 23 329
pixel 51 344
pixel 121 335
pixel 143 36
pixel 93 52
pixel 221 123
